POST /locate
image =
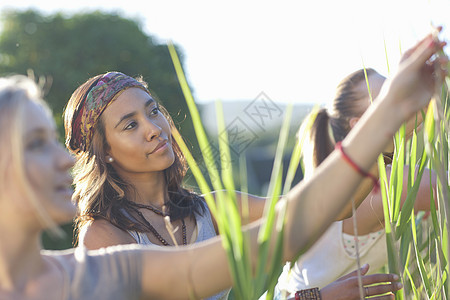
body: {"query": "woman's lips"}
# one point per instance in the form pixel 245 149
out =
pixel 161 146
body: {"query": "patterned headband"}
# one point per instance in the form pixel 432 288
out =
pixel 105 91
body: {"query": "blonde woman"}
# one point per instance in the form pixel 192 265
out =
pixel 35 195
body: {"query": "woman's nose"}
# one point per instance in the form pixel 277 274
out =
pixel 153 131
pixel 65 160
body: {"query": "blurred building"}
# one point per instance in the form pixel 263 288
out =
pixel 253 128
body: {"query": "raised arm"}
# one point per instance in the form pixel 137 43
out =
pixel 361 193
pixel 335 180
pixel 364 189
pixel 201 270
pixel 369 215
pixel 255 207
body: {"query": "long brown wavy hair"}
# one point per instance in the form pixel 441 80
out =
pixel 99 190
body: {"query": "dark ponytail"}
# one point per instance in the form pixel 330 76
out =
pixel 333 124
pixel 320 137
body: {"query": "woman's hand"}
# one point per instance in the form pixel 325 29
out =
pixel 347 286
pixel 420 71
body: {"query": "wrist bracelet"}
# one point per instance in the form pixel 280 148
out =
pixel 357 168
pixel 309 294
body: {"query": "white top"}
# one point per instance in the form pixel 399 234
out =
pixel 328 260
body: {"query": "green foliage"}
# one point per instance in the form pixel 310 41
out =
pixel 249 282
pixel 224 209
pixel 67 50
pixel 49 241
pixel 417 247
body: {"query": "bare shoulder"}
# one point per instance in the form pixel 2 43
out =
pixel 101 233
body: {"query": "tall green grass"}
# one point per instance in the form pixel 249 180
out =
pixel 249 283
pixel 417 245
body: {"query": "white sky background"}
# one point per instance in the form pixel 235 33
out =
pixel 290 50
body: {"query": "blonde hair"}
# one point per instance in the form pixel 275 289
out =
pixel 15 92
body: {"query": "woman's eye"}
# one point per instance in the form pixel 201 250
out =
pixel 130 126
pixel 36 144
pixel 154 111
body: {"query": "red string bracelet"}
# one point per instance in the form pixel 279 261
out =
pixel 376 184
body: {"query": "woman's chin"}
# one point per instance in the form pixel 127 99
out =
pixel 64 214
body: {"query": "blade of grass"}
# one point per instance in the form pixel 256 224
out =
pixel 399 163
pixel 297 152
pixel 230 212
pixel 273 194
pixel 201 181
pixel 408 205
pixel 198 126
pixel 303 135
pixel 422 270
pixel 390 244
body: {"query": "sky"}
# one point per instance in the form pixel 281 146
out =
pixel 292 51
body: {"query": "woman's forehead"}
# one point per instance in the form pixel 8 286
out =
pixel 127 102
pixel 37 118
pixel 374 83
pixel 131 96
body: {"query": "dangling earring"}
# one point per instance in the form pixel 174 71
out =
pixel 110 159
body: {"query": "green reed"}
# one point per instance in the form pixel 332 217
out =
pixel 417 245
pixel 248 283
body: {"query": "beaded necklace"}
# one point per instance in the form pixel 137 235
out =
pixel 153 230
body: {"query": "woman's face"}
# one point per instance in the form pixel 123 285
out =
pixel 47 166
pixel 138 134
pixel 375 83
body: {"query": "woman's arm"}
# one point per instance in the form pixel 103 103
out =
pixel 364 190
pixel 101 233
pixel 255 207
pixel 255 204
pixel 195 271
pixel 202 269
pixel 361 192
pixel 369 215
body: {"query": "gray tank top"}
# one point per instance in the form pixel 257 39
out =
pixel 113 273
pixel 205 230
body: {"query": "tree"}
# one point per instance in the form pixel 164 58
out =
pixel 69 50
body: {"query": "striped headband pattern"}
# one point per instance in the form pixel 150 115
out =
pixel 104 92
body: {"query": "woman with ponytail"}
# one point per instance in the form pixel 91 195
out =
pixel 335 252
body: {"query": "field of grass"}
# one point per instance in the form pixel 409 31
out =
pixel 417 242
